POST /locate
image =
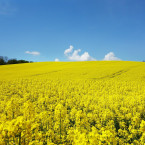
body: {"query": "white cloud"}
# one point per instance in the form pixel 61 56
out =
pixel 74 56
pixel 56 59
pixel 69 50
pixel 33 52
pixel 111 56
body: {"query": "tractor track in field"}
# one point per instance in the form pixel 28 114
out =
pixel 118 73
pixel 46 73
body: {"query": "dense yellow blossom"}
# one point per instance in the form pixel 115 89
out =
pixel 73 103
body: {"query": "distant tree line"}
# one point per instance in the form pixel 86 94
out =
pixel 4 60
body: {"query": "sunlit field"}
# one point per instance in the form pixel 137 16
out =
pixel 73 103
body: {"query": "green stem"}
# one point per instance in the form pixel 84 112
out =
pixel 60 127
pixel 20 139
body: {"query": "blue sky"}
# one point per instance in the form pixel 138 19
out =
pixel 43 30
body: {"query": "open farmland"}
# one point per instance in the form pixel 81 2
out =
pixel 72 103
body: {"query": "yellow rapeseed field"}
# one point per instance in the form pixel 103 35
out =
pixel 73 103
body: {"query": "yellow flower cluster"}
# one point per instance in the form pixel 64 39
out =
pixel 73 103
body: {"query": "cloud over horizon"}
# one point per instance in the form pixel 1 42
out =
pixel 56 60
pixel 33 52
pixel 111 56
pixel 69 50
pixel 75 56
